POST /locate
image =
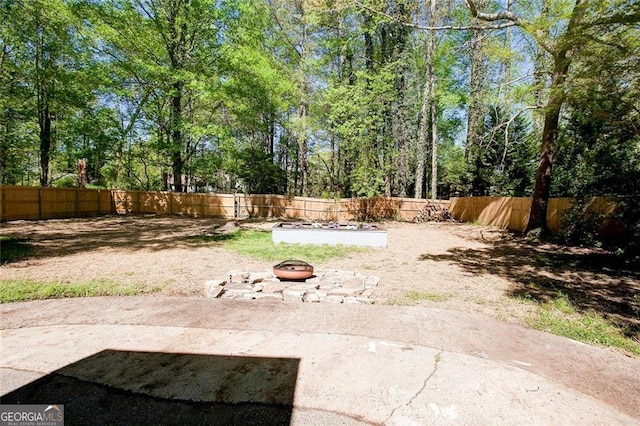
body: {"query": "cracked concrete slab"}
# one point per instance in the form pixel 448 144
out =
pixel 335 365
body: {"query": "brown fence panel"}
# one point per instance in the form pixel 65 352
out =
pixel 106 204
pixel 264 205
pixel 218 205
pixel 462 209
pixel 296 208
pixel 513 212
pixel 88 202
pixel 58 203
pixel 20 203
pixel 318 209
pixel 555 211
pixel 503 212
pixel 152 202
pixel 520 209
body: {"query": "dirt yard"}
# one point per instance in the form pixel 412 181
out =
pixel 440 265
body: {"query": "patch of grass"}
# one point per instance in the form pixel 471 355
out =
pixel 259 245
pixel 562 304
pixel 413 297
pixel 559 317
pixel 22 290
pixel 14 249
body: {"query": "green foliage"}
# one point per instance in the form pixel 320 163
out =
pixel 24 290
pixel 504 163
pixel 257 172
pixel 45 80
pixel 66 182
pixel 599 151
pixel 559 317
pixel 259 245
pixel 356 114
pixel 414 297
pixel 141 97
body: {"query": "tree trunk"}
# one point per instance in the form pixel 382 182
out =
pixel 542 189
pixel 542 64
pixel 476 112
pixel 433 122
pixel 427 113
pixel 505 92
pixel 302 148
pixel 476 104
pixel 177 162
pixel 422 137
pixel 561 62
pixel 45 144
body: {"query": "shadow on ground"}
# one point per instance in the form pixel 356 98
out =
pixel 592 279
pixel 65 237
pixel 122 387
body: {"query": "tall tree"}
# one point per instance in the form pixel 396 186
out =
pixel 45 69
pixel 427 128
pixel 562 45
pixel 477 94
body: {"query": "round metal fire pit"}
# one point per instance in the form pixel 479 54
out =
pixel 293 270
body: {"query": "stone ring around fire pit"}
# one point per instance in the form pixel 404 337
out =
pixel 293 270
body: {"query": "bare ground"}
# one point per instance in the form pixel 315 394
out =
pixel 444 265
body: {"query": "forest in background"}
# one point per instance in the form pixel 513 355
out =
pixel 324 98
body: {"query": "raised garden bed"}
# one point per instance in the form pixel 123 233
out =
pixel 363 234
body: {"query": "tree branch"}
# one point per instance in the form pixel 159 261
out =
pixel 433 28
pixel 505 15
pixel 506 129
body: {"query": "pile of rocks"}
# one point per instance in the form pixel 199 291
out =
pixel 324 286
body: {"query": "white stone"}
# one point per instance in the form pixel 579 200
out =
pixel 292 295
pixel 333 299
pixel 304 286
pixel 238 286
pixel 234 293
pixel 274 296
pixel 273 287
pixel 367 293
pixel 311 297
pixel 258 277
pixel 213 288
pixel 371 281
pixel 345 291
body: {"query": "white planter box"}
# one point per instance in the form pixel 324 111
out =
pixel 307 234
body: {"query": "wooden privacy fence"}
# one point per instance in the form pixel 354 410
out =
pixel 33 203
pixel 513 212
